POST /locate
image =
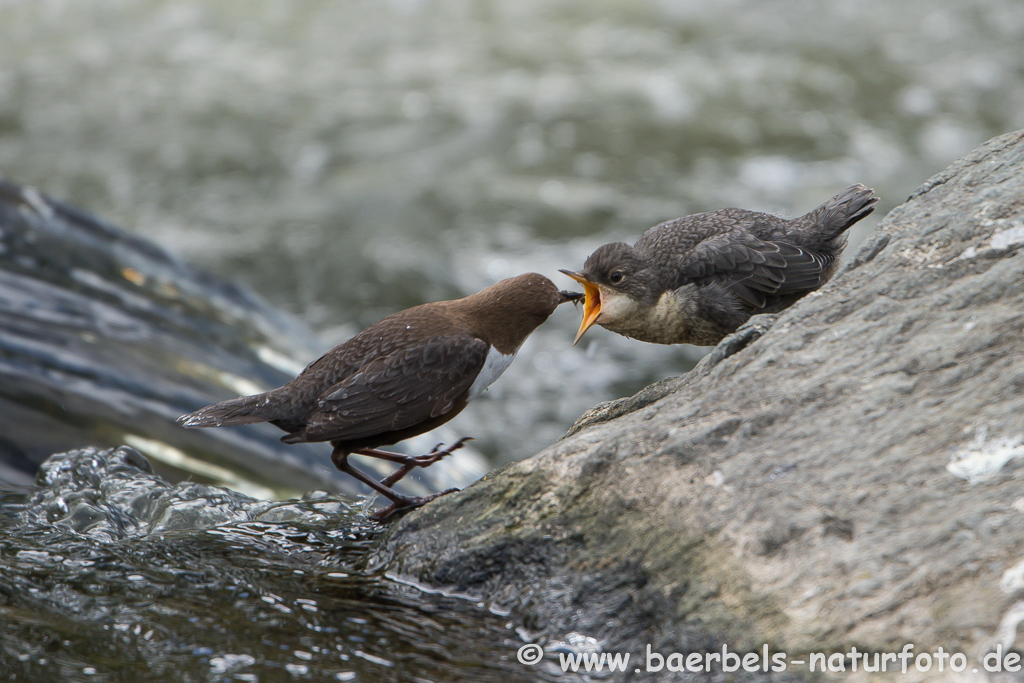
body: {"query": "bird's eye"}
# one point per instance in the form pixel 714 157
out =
pixel 616 277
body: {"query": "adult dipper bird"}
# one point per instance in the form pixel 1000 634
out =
pixel 400 377
pixel 695 279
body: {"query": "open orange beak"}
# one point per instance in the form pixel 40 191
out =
pixel 592 306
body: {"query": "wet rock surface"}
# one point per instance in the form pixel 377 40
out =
pixel 847 474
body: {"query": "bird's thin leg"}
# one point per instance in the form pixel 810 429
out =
pixel 398 501
pixel 385 512
pixel 397 475
pixel 399 458
pixel 440 451
pixel 340 459
pixel 420 460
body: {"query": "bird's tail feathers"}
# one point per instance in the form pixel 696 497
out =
pixel 236 411
pixel 838 214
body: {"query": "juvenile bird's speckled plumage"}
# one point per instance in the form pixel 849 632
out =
pixel 695 279
pixel 400 377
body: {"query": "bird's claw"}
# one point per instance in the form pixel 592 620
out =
pixel 440 451
pixel 414 461
pixel 405 503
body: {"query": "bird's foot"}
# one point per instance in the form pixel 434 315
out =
pixel 440 450
pixel 409 463
pixel 749 332
pixel 398 501
pixel 402 504
pixel 414 460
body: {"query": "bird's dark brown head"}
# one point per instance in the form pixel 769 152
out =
pixel 618 266
pixel 507 312
pixel 615 268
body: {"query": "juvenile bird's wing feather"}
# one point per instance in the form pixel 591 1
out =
pixel 752 268
pixel 398 391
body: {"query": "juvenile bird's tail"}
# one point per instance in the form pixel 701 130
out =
pixel 236 411
pixel 838 214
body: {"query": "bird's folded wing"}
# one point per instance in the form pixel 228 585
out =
pixel 398 391
pixel 751 268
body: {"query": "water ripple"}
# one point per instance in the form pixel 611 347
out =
pixel 139 579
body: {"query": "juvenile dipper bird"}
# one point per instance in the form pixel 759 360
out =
pixel 400 377
pixel 695 279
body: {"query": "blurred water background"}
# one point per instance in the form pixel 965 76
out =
pixel 349 159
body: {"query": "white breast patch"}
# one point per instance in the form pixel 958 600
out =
pixel 495 364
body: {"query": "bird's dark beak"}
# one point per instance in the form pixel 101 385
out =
pixel 592 306
pixel 565 297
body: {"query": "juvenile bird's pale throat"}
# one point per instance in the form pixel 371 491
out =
pixel 592 305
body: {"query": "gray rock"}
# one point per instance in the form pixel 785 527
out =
pixel 848 477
